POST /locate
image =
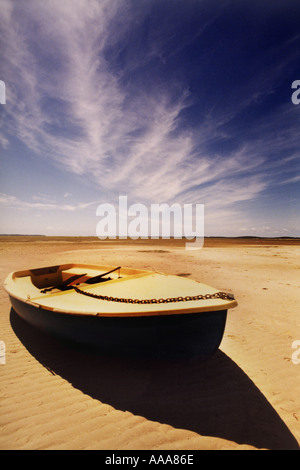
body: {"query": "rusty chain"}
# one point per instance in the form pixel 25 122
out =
pixel 216 295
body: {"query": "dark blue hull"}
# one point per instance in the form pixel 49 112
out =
pixel 196 334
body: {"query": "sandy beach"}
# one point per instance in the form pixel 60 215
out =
pixel 55 396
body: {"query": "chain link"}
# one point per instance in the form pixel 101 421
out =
pixel 217 295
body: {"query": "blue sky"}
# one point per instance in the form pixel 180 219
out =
pixel 165 101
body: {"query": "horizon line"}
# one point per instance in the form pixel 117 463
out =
pixel 146 238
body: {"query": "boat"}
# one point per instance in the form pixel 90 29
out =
pixel 122 309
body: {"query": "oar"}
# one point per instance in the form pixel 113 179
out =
pixel 99 277
pixel 65 284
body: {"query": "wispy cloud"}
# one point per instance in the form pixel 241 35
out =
pixel 42 203
pixel 294 179
pixel 82 117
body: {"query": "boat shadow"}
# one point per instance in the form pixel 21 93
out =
pixel 213 398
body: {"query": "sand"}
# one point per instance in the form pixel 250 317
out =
pixel 56 396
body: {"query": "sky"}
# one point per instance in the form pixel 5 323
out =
pixel 162 101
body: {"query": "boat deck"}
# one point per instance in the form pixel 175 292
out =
pixel 124 283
